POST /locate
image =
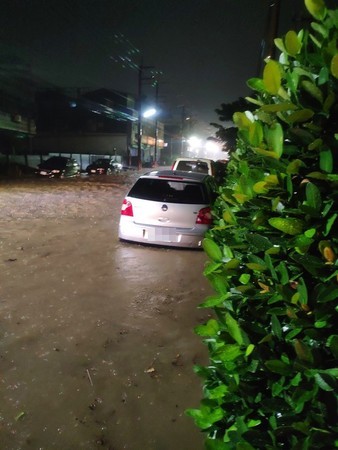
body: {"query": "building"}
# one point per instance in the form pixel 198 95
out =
pixel 101 122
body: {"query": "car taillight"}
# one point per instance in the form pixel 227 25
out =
pixel 127 208
pixel 204 216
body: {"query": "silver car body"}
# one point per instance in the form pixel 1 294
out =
pixel 168 213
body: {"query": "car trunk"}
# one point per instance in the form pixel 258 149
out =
pixel 164 214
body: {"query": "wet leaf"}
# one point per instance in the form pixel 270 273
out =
pixel 229 352
pixel 274 137
pixel 276 326
pixel 326 160
pixel 212 249
pixel 302 115
pixel 292 43
pixel 213 300
pixel 313 90
pixel 313 197
pixel 211 328
pixel 272 77
pixel 279 107
pixel 322 383
pixel 303 351
pixel 334 66
pixel 256 84
pixel 277 366
pixel 287 225
pixel 316 8
pixel 234 329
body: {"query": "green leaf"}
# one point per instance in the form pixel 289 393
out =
pixel 332 343
pixel 272 77
pixel 334 66
pixel 229 352
pixel 211 328
pixel 292 43
pixel 256 84
pixel 256 267
pixel 206 416
pixel 327 293
pixel 212 249
pixel 218 392
pixel 211 267
pixel 313 197
pixel 219 283
pixel 322 383
pixel 302 289
pixel 258 241
pixel 287 225
pixel 313 90
pixel 255 136
pixel 214 300
pixel 249 350
pixel 329 224
pixel 282 269
pixel 316 8
pixel 278 107
pixel 277 366
pixel 302 115
pixel 294 166
pixel 234 329
pixel 241 120
pixel 326 160
pixel 276 326
pixel 275 137
pixel 280 45
pixel 303 351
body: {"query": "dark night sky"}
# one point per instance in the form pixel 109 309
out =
pixel 207 49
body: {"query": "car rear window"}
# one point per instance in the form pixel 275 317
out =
pixel 192 166
pixel 169 191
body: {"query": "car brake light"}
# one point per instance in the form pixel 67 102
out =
pixel 204 216
pixel 127 208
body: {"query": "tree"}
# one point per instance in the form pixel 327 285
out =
pixel 228 135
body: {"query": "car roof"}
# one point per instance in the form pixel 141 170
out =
pixel 194 159
pixel 178 174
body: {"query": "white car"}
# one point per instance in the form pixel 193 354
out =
pixel 168 208
pixel 199 165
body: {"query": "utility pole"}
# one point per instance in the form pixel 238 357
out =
pixel 271 30
pixel 156 121
pixel 183 114
pixel 141 78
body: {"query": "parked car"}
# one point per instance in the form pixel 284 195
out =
pixel 58 167
pixel 103 166
pixel 168 208
pixel 200 165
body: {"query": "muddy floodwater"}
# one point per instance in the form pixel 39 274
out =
pixel 96 336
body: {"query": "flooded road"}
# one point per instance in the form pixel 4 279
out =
pixel 96 336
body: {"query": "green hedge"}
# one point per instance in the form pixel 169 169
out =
pixel 271 381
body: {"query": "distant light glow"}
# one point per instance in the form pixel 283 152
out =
pixel 212 146
pixel 149 112
pixel 194 143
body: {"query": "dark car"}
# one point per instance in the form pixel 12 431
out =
pixel 58 167
pixel 103 166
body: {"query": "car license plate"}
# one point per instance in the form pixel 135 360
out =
pixel 43 173
pixel 165 234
